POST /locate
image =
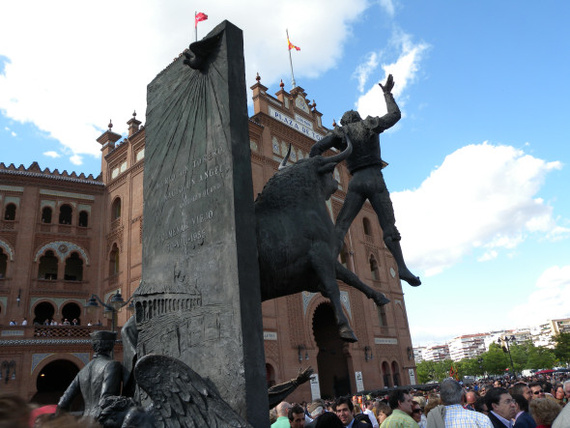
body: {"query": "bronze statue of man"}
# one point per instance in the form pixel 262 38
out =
pixel 100 378
pixel 367 182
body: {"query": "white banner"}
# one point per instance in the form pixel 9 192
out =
pixel 315 387
pixel 359 382
pixel 412 377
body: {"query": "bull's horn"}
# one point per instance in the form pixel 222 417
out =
pixel 342 155
pixel 283 163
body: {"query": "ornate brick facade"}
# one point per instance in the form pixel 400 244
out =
pixel 65 236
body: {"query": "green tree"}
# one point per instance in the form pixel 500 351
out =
pixel 540 357
pixel 495 360
pixel 469 367
pixel 433 371
pixel 519 353
pixel 426 371
pixel 562 348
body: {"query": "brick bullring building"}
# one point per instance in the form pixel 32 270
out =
pixel 64 237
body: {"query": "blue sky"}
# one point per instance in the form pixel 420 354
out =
pixel 478 164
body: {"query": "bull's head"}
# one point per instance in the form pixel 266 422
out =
pixel 327 165
pixel 329 162
pixel 308 180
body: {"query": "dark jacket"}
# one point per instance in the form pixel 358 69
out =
pixel 525 420
pixel 495 421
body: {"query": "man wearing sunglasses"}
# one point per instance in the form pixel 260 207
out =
pixel 536 389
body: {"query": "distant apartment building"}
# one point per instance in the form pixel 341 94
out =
pixel 418 354
pixel 466 346
pixel 472 345
pixel 436 353
pixel 543 334
pixel 516 337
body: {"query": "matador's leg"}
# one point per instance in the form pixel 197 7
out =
pixel 383 206
pixel 351 207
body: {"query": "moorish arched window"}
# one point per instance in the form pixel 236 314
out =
pixel 73 268
pixel 114 261
pixel 46 215
pixel 10 212
pixel 83 219
pixel 3 263
pixel 367 227
pixel 65 213
pixel 48 266
pixel 116 209
pixel 374 268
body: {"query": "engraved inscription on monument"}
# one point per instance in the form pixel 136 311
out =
pixel 200 274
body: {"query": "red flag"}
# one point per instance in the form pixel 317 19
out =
pixel 200 16
pixel 291 45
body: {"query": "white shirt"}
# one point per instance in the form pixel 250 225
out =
pixel 373 419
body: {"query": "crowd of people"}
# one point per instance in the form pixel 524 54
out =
pixel 503 403
pixel 53 322
pixel 512 403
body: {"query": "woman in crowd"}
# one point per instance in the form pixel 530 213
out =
pixel 544 411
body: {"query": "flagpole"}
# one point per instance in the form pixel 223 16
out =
pixel 290 61
pixel 195 27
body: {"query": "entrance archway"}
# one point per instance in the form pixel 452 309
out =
pixel 53 380
pixel 42 312
pixel 331 360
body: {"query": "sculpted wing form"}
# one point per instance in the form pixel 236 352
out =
pixel 181 397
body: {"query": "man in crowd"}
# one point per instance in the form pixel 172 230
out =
pixel 315 409
pixel 401 404
pixel 501 406
pixel 471 398
pixel 521 388
pixel 523 419
pixel 344 409
pixel 536 390
pixel 296 416
pixel 452 412
pixel 282 411
pixel 368 405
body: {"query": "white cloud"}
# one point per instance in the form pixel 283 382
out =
pixel 71 66
pixel 489 255
pixel 404 69
pixel 76 160
pixel 481 200
pixel 388 6
pixel 364 70
pixel 552 294
pixel 52 154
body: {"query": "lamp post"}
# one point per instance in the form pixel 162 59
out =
pixel 111 309
pixel 506 340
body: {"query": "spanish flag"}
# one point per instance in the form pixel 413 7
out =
pixel 292 46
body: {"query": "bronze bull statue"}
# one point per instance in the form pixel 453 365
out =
pixel 296 238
